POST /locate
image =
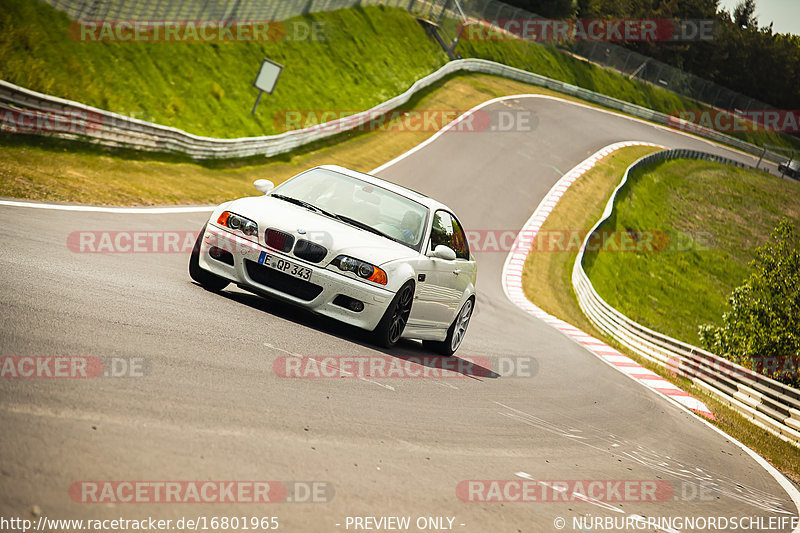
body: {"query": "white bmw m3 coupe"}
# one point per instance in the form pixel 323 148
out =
pixel 349 246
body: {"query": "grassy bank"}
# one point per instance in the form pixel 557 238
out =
pixel 591 192
pixel 353 60
pixel 41 169
pixel 676 289
pixel 547 283
pixel 342 61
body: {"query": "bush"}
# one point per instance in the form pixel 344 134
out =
pixel 762 329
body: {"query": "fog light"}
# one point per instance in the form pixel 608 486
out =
pixel 351 304
pixel 223 256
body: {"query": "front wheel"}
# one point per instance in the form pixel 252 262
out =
pixel 456 333
pixel 391 326
pixel 208 280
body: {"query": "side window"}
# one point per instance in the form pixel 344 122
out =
pixel 459 240
pixel 447 230
pixel 442 230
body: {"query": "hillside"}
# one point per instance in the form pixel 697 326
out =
pixel 355 59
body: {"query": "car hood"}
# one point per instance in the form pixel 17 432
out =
pixel 338 237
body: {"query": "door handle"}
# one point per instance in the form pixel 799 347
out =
pixel 456 272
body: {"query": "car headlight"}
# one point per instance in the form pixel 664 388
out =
pixel 360 268
pixel 237 222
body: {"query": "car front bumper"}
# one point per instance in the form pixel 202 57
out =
pixel 249 274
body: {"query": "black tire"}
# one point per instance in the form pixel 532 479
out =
pixel 393 322
pixel 208 280
pixel 456 333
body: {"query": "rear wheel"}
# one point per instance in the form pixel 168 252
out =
pixel 456 333
pixel 208 280
pixel 390 328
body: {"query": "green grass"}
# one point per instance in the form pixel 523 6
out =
pixel 369 55
pixel 366 55
pixel 49 169
pixel 42 168
pixel 556 296
pixel 547 283
pixel 715 217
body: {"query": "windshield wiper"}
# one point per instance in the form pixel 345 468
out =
pixel 342 218
pixel 303 203
pixel 366 227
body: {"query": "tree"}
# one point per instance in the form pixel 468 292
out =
pixel 744 14
pixel 740 57
pixel 555 8
pixel 762 329
pixel 547 8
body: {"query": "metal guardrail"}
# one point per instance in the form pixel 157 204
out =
pixel 766 402
pixel 113 130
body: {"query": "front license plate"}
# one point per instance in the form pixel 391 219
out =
pixel 284 266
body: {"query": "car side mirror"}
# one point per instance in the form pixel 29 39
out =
pixel 443 252
pixel 263 186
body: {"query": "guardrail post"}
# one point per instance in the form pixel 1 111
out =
pixel 761 157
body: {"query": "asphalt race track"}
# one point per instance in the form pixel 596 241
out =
pixel 210 407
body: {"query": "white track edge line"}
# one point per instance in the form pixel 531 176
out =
pixel 115 210
pixel 780 478
pixel 791 490
pixel 205 209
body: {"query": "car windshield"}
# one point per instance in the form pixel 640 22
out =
pixel 359 203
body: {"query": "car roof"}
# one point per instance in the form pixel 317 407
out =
pixel 399 189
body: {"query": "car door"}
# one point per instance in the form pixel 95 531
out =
pixel 445 281
pixel 463 268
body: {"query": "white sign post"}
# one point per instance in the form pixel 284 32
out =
pixel 266 80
